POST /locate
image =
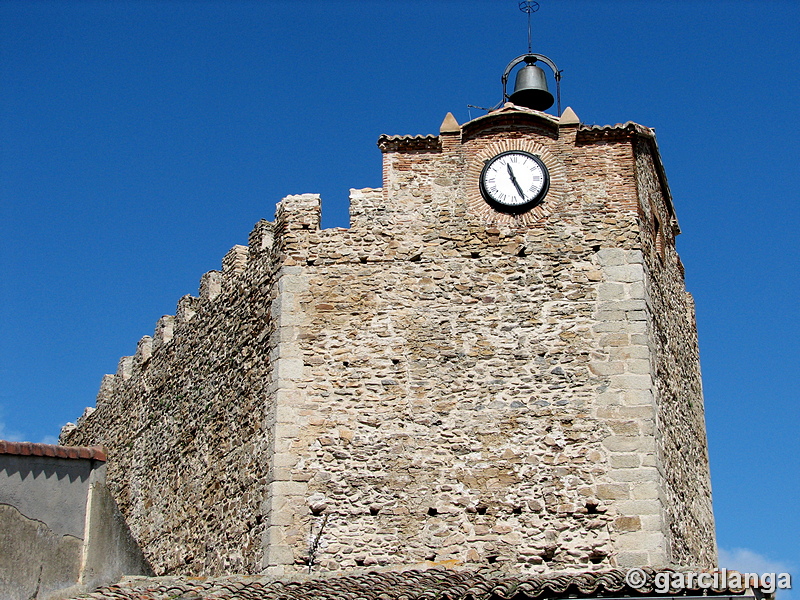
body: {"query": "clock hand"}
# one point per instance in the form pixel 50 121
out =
pixel 514 181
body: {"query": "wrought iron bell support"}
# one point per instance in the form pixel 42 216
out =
pixel 531 60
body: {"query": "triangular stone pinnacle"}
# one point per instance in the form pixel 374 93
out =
pixel 568 117
pixel 450 125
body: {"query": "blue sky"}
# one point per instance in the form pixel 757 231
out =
pixel 139 141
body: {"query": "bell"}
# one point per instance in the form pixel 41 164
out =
pixel 530 89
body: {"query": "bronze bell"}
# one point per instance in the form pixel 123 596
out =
pixel 530 88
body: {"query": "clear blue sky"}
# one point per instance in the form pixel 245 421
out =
pixel 139 141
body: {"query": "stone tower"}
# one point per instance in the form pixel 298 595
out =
pixel 451 380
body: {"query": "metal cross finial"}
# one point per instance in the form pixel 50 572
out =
pixel 529 6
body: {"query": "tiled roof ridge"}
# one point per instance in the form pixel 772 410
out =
pixel 431 584
pixel 31 449
pixel 629 127
pixel 409 142
pixel 432 142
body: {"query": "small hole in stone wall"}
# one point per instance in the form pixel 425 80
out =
pixel 310 261
pixel 432 512
pixel 360 562
pixel 522 252
pixel 596 559
pixel 305 225
pixel 362 260
pixel 517 510
pixel 548 554
pixel 395 361
pixel 474 254
pixel 317 509
pixel 374 510
pixel 346 363
pixel 591 508
pixel 596 248
pixel 491 559
pixel 481 510
pixel 416 258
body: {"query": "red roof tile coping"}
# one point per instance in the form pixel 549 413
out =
pixel 29 449
pixel 410 585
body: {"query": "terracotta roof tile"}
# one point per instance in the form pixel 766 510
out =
pixel 29 449
pixel 424 143
pixel 434 584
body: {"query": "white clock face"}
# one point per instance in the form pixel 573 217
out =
pixel 514 180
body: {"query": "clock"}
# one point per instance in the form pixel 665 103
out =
pixel 514 181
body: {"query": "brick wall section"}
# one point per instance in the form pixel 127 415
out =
pixel 440 382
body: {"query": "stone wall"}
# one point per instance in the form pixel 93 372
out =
pixel 185 422
pixel 681 433
pixel 440 382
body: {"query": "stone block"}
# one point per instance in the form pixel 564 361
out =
pixel 611 327
pixel 286 430
pixel 293 283
pixel 288 368
pixel 633 398
pixel 279 555
pixel 614 340
pixel 282 517
pixel 284 460
pixel 638 541
pixel 611 291
pixel 609 398
pixel 635 257
pixel 289 397
pixel 639 507
pixel 210 285
pixel 623 305
pixel 628 352
pixel 636 290
pixel 652 522
pixel 125 367
pixel 627 560
pixel 637 476
pixel 610 315
pixel 144 350
pixel 164 330
pixel 608 257
pixel 631 381
pixel 638 366
pixel 613 491
pixel 636 328
pixel 627 524
pixel 617 443
pixel 624 461
pixel 624 427
pixel 607 368
pixel 288 488
pixel 286 414
pixel 624 273
pixel 646 490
